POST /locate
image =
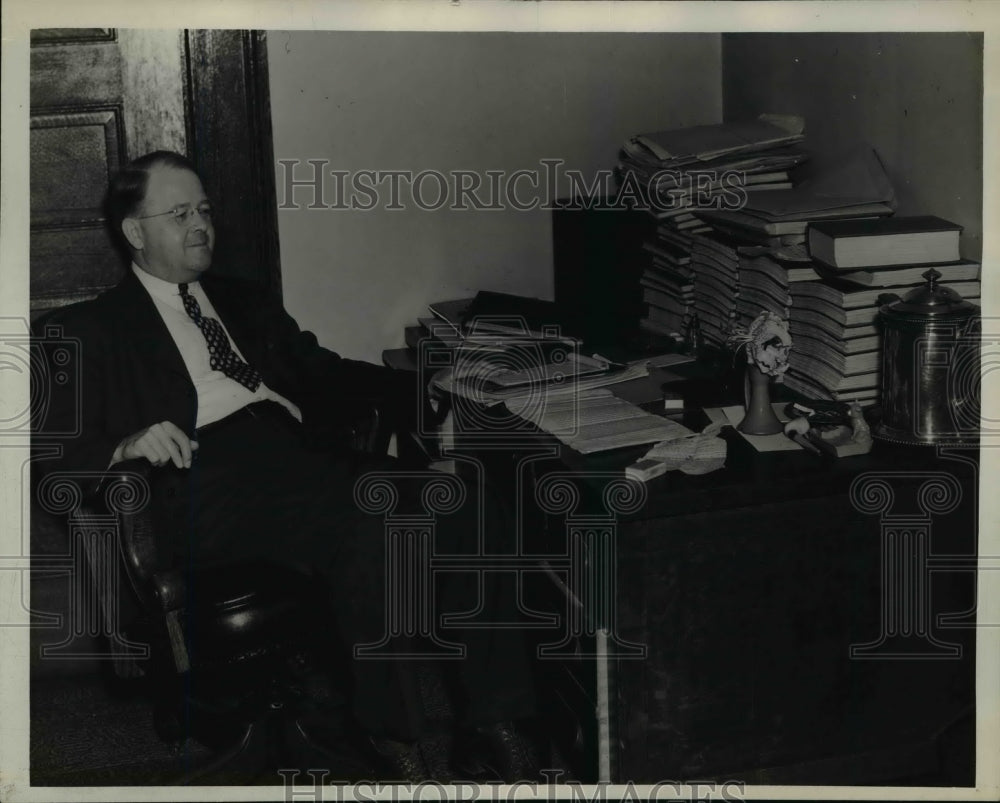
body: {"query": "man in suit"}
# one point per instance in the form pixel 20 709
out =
pixel 212 381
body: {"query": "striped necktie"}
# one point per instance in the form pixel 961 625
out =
pixel 221 355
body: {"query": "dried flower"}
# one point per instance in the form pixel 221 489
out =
pixel 767 343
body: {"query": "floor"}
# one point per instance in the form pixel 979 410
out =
pixel 87 731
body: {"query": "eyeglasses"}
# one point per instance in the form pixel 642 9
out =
pixel 182 213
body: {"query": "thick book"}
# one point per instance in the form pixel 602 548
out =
pixel 685 295
pixel 810 388
pixel 722 303
pixel 722 246
pixel 761 222
pixel 668 252
pixel 673 275
pixel 750 238
pixel 847 364
pixel 739 221
pixel 911 275
pixel 673 237
pixel 845 342
pixel 850 297
pixel 708 290
pixel 759 261
pixel 752 297
pixel 758 280
pixel 803 273
pixel 831 378
pixel 913 240
pixel 835 320
pixel 705 262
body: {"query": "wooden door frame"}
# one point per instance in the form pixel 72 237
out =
pixel 229 139
pixel 202 92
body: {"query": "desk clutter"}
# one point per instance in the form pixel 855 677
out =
pixel 521 361
pixel 694 453
pixel 741 220
pixel 589 403
pixel 813 238
pixel 493 358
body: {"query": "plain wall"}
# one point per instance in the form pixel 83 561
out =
pixel 445 101
pixel 916 97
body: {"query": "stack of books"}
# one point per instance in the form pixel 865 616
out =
pixel 764 283
pixel 734 283
pixel 716 265
pixel 853 185
pixel 681 170
pixel 667 288
pixel 835 343
pixel 677 172
pixel 836 350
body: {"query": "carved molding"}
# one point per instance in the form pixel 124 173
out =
pixel 109 119
pixel 48 37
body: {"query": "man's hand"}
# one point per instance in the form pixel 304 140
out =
pixel 159 444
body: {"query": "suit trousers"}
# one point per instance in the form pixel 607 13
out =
pixel 257 491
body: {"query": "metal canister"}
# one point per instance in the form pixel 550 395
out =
pixel 930 379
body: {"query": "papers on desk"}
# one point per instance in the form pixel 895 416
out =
pixel 575 365
pixel 473 380
pixel 597 421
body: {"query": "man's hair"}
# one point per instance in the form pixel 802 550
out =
pixel 128 187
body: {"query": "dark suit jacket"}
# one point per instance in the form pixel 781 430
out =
pixel 131 374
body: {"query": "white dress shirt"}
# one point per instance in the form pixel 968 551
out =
pixel 218 395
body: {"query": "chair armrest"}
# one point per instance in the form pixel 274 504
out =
pixel 169 589
pixel 127 476
pixel 125 492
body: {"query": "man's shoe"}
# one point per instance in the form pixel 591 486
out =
pixel 498 752
pixel 401 761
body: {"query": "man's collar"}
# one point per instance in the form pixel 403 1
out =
pixel 157 287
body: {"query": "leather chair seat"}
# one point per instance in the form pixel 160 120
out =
pixel 234 612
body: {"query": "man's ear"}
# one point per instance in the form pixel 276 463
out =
pixel 132 232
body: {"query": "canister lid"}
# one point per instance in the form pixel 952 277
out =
pixel 931 300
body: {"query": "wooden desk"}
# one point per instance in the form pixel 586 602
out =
pixel 800 620
pixel 754 592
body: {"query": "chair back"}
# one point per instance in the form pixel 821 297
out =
pixel 121 500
